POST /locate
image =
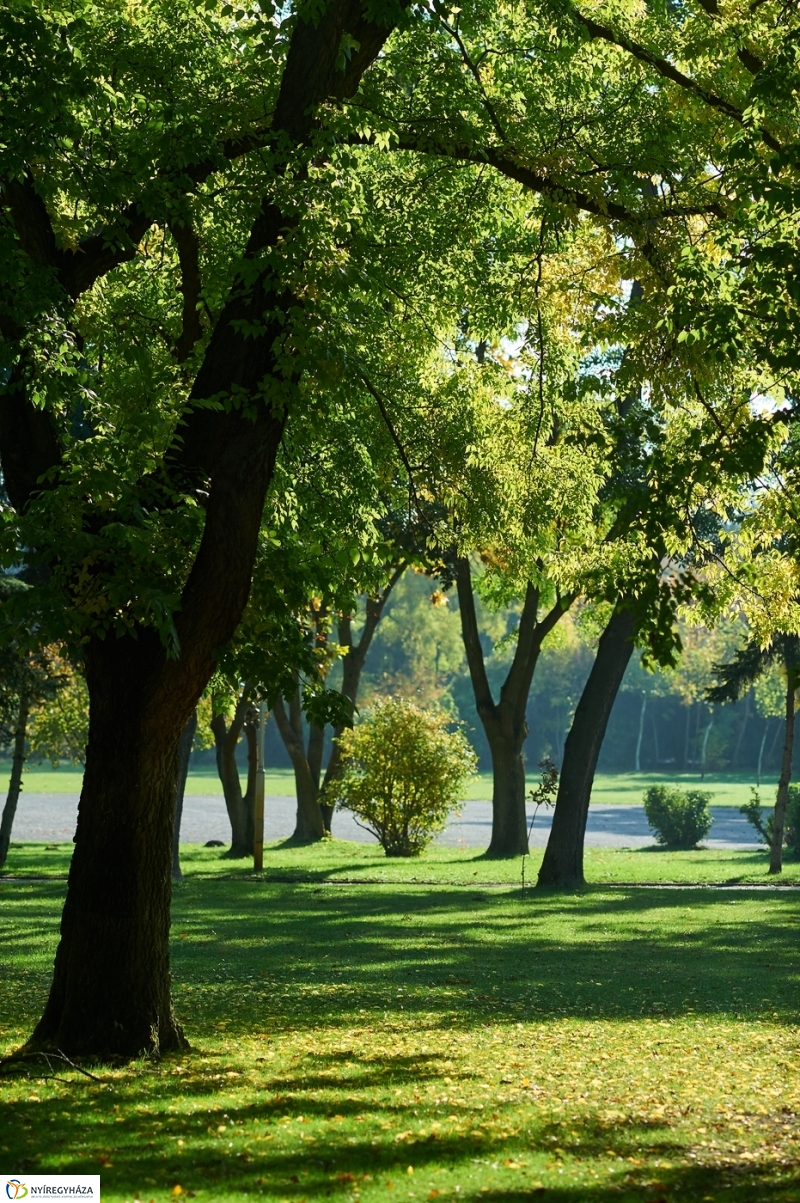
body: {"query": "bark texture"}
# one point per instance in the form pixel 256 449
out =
pixel 110 993
pixel 110 989
pixel 562 866
pixel 15 782
pixel 504 721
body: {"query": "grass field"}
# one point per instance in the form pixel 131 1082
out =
pixel 359 1034
pixel 729 789
pixel 340 862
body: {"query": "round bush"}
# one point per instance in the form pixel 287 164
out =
pixel 679 819
pixel 403 772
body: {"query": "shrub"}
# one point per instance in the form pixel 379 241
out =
pixel 679 819
pixel 754 814
pixel 402 774
pixel 791 829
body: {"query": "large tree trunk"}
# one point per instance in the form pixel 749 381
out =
pixel 504 722
pixel 184 753
pixel 15 782
pixel 111 988
pixel 779 818
pixel 562 866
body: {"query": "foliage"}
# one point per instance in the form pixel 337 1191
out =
pixel 679 818
pixel 763 823
pixel 59 728
pixel 544 794
pixel 418 650
pixel 403 773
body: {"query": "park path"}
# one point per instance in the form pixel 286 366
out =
pixel 51 818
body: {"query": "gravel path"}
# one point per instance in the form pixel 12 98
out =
pixel 51 818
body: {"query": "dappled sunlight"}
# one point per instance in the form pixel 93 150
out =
pixel 611 1043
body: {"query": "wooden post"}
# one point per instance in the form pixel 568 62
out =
pixel 258 808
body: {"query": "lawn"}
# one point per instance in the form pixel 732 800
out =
pixel 728 789
pixel 341 862
pixel 361 1035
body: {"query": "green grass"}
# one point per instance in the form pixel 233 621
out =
pixel 342 862
pixel 43 779
pixel 385 1039
pixel 729 789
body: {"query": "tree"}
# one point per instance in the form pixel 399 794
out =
pixel 749 664
pixel 562 865
pixel 184 754
pixel 504 720
pixel 157 573
pixel 354 656
pixel 314 811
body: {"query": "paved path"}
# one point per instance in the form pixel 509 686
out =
pixel 51 818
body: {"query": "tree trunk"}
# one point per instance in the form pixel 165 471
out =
pixel 111 985
pixel 562 866
pixel 509 822
pixel 686 738
pixel 184 753
pixel 779 819
pixel 705 745
pixel 308 824
pixel 15 783
pixel 225 741
pixel 504 722
pixel 761 752
pixel 656 748
pixel 638 761
pixel 251 737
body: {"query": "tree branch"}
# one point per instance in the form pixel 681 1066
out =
pixel 666 69
pixel 547 185
pixel 484 701
pixel 189 259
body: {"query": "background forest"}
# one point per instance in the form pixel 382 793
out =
pixel 660 721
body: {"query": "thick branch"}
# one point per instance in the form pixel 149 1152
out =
pixel 189 259
pixel 547 185
pixel 668 71
pixel 472 642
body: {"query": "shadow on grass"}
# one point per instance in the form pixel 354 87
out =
pixel 128 1148
pixel 632 953
pixel 252 957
